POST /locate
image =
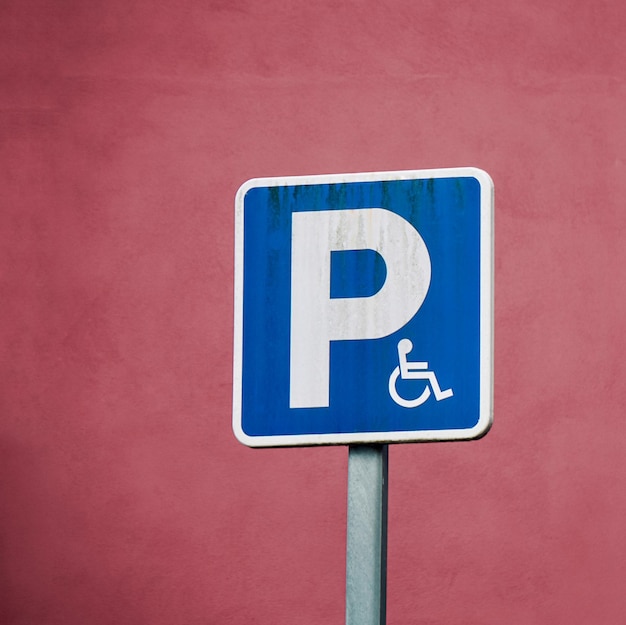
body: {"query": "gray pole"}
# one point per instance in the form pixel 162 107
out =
pixel 366 561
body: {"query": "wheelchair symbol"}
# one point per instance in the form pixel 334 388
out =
pixel 414 371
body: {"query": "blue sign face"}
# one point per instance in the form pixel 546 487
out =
pixel 363 308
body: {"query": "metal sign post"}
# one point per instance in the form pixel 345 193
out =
pixel 366 557
pixel 363 317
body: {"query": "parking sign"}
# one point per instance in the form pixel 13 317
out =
pixel 363 308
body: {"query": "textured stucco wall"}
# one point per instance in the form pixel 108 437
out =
pixel 125 130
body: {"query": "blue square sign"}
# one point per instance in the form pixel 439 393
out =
pixel 363 308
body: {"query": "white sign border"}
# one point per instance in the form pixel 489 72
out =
pixel 485 419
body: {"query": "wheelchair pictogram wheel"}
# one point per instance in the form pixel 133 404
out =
pixel 405 403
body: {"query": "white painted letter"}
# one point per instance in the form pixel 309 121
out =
pixel 316 319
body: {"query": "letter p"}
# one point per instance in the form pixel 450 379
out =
pixel 317 319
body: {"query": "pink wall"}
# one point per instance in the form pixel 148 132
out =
pixel 126 128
